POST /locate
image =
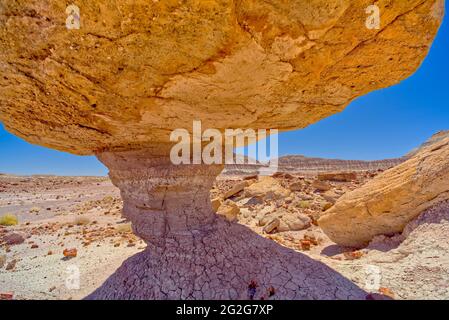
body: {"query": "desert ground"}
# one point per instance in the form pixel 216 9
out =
pixel 58 214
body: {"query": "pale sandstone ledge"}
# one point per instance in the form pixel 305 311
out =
pixel 392 199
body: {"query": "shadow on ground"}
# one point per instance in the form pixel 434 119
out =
pixel 224 261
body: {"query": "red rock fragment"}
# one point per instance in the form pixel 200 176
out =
pixel 6 295
pixel 70 253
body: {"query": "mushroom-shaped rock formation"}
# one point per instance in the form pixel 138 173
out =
pixel 392 199
pixel 135 70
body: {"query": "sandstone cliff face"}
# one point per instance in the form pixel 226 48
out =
pixel 137 69
pixel 392 199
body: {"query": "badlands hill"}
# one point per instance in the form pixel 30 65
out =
pixel 311 166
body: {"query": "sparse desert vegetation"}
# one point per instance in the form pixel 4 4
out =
pixel 8 220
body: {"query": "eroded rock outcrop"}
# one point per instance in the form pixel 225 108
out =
pixel 413 265
pixel 392 199
pixel 192 252
pixel 161 198
pixel 135 71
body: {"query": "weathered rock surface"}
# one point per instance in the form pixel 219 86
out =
pixel 321 186
pixel 271 226
pixel 238 187
pixel 392 199
pixel 266 188
pixel 413 265
pixel 14 238
pixel 229 210
pixel 216 203
pixel 160 198
pixel 338 176
pixel 294 222
pixel 282 220
pixel 135 71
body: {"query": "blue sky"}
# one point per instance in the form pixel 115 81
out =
pixel 383 124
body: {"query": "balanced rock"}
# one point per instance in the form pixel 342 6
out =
pixel 392 199
pixel 134 72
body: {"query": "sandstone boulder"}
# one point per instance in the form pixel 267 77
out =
pixel 330 196
pixel 132 73
pixel 14 238
pixel 272 225
pixel 296 186
pixel 282 220
pixel 229 210
pixel 267 188
pixel 238 187
pixel 216 203
pixel 282 175
pixel 338 177
pixel 253 201
pixel 392 199
pixel 321 186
